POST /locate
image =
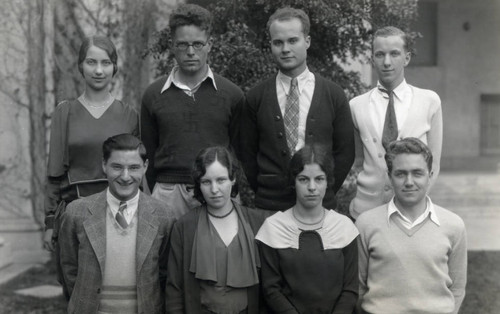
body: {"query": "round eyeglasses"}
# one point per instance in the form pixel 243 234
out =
pixel 197 45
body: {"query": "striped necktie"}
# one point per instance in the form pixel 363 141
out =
pixel 291 118
pixel 390 132
pixel 119 215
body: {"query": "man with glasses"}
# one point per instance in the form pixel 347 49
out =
pixel 186 111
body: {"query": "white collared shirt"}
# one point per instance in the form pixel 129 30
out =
pixel 306 82
pixel 114 204
pixel 173 78
pixel 380 100
pixel 407 223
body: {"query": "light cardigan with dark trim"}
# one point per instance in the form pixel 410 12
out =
pixel 424 122
pixel 264 151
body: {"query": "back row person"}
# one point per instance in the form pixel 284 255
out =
pixel 190 109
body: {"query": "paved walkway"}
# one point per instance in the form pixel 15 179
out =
pixel 476 198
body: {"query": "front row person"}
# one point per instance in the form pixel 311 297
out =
pixel 213 262
pixel 309 253
pixel 412 253
pixel 114 243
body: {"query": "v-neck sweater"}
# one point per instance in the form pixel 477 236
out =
pixel 418 270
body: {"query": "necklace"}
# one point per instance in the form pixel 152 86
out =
pixel 222 216
pixel 105 103
pixel 308 223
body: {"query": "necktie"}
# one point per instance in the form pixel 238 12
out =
pixel 292 116
pixel 390 132
pixel 119 215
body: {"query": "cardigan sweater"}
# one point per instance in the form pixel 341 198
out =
pixel 264 152
pixel 421 270
pixel 424 122
pixel 183 289
pixel 175 126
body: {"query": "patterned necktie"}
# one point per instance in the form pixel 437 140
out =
pixel 390 132
pixel 119 215
pixel 292 116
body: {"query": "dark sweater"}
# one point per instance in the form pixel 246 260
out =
pixel 175 126
pixel 263 147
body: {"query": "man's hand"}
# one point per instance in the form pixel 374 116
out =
pixel 48 242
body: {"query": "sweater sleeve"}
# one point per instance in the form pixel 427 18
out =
pixel 175 283
pixel 435 140
pixel 249 142
pixel 272 281
pixel 363 258
pixel 457 268
pixel 342 140
pixel 349 295
pixel 149 136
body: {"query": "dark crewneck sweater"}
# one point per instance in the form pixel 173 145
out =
pixel 175 126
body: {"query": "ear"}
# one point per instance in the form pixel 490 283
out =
pixel 210 43
pixel 308 41
pixel 104 167
pixel 407 58
pixel 146 164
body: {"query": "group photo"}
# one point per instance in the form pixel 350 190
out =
pixel 250 156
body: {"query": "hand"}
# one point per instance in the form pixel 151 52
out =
pixel 48 242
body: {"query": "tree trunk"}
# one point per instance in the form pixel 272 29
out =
pixel 36 98
pixel 136 72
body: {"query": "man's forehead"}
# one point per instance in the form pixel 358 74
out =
pixel 415 160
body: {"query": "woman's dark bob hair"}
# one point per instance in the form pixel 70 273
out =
pixel 208 156
pixel 102 42
pixel 311 154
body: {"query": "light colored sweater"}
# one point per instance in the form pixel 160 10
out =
pixel 421 270
pixel 424 122
pixel 119 284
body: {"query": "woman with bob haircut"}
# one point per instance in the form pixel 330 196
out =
pixel 213 264
pixel 79 127
pixel 309 253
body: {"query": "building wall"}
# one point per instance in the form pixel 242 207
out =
pixel 468 65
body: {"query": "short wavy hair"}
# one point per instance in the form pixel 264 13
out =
pixel 102 42
pixel 208 156
pixel 311 154
pixel 123 142
pixel 394 31
pixel 408 145
pixel 190 14
pixel 288 13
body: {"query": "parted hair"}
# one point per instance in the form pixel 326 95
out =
pixel 123 142
pixel 288 13
pixel 190 14
pixel 208 156
pixel 394 31
pixel 102 42
pixel 408 145
pixel 311 154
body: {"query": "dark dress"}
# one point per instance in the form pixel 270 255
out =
pixel 309 271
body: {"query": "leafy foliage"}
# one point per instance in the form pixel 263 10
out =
pixel 340 31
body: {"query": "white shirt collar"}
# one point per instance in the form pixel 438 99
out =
pixel 114 203
pixel 429 210
pixel 302 78
pixel 173 79
pixel 399 91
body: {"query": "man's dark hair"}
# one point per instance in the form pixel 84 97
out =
pixel 409 145
pixel 123 142
pixel 102 42
pixel 394 31
pixel 208 156
pixel 190 14
pixel 311 154
pixel 288 13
